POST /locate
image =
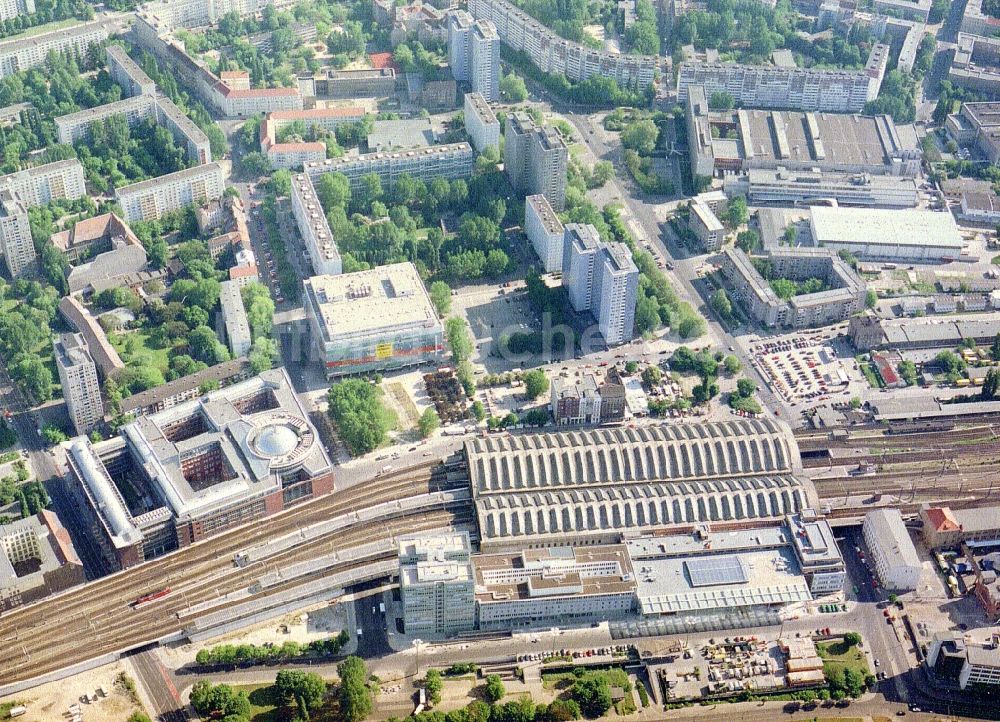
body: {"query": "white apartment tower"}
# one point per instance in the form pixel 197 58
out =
pixel 459 30
pixel 78 378
pixel 13 8
pixel 481 123
pixel 545 231
pixel 15 233
pixel 580 249
pixel 484 60
pixel 535 159
pixel 616 286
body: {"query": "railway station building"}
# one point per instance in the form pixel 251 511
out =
pixel 597 486
pixel 200 467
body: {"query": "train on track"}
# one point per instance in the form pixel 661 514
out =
pixel 918 426
pixel 145 599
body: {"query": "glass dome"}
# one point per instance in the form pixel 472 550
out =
pixel 276 440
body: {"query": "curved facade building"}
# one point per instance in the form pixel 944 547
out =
pixel 598 485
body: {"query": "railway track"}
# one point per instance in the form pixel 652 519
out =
pixel 96 618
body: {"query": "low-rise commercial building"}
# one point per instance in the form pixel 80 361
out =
pixel 891 550
pixel 151 199
pixel 37 559
pixel 976 63
pixel 553 586
pixel 722 142
pixel 437 584
pixel 887 235
pixel 314 227
pixel 953 659
pixel 78 379
pixel 817 552
pixel 786 187
pixel 440 161
pixel 372 320
pixel 869 332
pixel 481 123
pixel 584 398
pixel 545 231
pixel 340 84
pixel 947 528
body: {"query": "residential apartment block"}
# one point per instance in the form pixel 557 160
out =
pixel 555 55
pixel 234 318
pixel 891 550
pixel 706 226
pixel 770 86
pixel 14 8
pixel 23 53
pixel 545 231
pixel 481 123
pixel 977 22
pixel 295 154
pixel 484 60
pixel 976 63
pixel 535 159
pixel 104 354
pixel 601 278
pixel 127 73
pixel 584 398
pixel 26 189
pixel 845 297
pixel 313 227
pixel 200 13
pixel 78 378
pixel 439 161
pixel 150 199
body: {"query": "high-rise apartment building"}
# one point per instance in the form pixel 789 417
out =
pixel 601 278
pixel 459 29
pixel 23 53
pixel 616 287
pixel 580 247
pixel 484 60
pixel 78 378
pixel 481 123
pixel 437 584
pixel 535 159
pixel 25 189
pixel 15 8
pixel 545 231
pixel 314 228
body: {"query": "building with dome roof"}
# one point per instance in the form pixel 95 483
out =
pixel 194 469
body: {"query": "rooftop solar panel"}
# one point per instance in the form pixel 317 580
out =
pixel 715 571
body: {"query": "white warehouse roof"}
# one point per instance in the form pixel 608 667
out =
pixel 879 226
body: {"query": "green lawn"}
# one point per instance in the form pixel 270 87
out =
pixel 135 350
pixel 616 677
pixel 838 655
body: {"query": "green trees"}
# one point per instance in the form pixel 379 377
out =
pixel 440 294
pixel 259 309
pixel 721 100
pixel 995 348
pixel 219 701
pixel 732 365
pixel 721 304
pixel 494 688
pixel 307 689
pixel 535 383
pixel 871 298
pixel 32 376
pixel 949 362
pixel 896 97
pixel 362 420
pixel 651 376
pixel 852 639
pixel 433 684
pixel 742 398
pixel 593 694
pixel 640 136
pixel 457 333
pixel 513 89
pixel 428 423
pixel 991 385
pixel 355 696
pixel 736 212
pixel 262 354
